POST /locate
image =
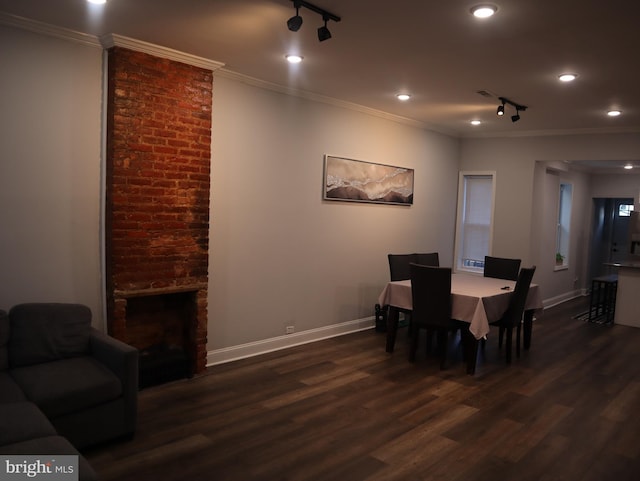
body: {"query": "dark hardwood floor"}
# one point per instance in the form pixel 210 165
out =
pixel 343 409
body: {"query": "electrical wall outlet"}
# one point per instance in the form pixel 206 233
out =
pixel 290 329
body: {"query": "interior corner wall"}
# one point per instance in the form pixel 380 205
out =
pixel 50 187
pixel 282 256
pixel 560 284
pixel 521 191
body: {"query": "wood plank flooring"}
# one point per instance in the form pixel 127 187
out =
pixel 344 409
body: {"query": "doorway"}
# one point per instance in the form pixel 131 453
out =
pixel 609 234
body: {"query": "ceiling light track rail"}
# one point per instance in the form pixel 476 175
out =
pixel 515 105
pixel 295 22
pixel 320 11
pixel 519 108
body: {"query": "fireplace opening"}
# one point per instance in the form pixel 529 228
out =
pixel 162 327
pixel 162 363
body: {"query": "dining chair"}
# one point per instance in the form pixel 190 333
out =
pixel 399 271
pixel 399 263
pixel 399 266
pixel 431 298
pixel 501 267
pixel 512 318
pixel 427 259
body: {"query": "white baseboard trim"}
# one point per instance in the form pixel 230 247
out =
pixel 567 296
pixel 242 351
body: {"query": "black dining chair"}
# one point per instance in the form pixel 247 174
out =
pixel 399 266
pixel 512 318
pixel 501 267
pixel 427 259
pixel 399 271
pixel 399 263
pixel 431 297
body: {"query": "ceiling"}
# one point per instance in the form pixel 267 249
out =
pixel 433 49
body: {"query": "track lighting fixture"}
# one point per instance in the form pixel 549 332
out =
pixel 295 22
pixel 323 32
pixel 519 108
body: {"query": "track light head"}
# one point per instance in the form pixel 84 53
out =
pixel 295 22
pixel 516 117
pixel 500 111
pixel 323 32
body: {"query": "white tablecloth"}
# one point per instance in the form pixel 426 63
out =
pixel 474 299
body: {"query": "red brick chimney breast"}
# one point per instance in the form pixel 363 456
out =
pixel 157 187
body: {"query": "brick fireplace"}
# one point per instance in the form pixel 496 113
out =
pixel 157 208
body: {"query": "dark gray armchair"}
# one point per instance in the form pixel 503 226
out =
pixel 84 381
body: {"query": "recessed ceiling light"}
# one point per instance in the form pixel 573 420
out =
pixel 293 58
pixel 567 77
pixel 613 113
pixel 97 2
pixel 475 122
pixel 403 97
pixel 628 166
pixel 484 11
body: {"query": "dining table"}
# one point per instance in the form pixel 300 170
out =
pixel 475 299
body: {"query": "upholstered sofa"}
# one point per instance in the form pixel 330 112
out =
pixel 64 385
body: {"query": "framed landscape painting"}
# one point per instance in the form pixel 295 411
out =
pixel 358 181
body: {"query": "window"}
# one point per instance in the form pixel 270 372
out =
pixel 475 220
pixel 624 210
pixel 564 225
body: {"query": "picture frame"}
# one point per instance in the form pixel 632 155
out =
pixel 350 180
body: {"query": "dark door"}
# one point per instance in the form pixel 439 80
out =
pixel 619 249
pixel 609 235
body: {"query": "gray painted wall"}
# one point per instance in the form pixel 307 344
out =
pixel 280 255
pixel 50 188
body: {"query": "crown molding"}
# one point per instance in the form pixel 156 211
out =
pixel 107 41
pixel 555 133
pixel 255 82
pixel 49 30
pixel 113 40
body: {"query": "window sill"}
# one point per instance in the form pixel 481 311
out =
pixel 467 270
pixel 563 267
